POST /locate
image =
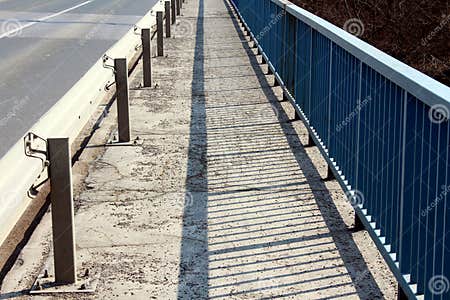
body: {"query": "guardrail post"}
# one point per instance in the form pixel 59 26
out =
pixel 62 210
pixel 123 114
pixel 178 7
pixel 174 11
pixel 160 33
pixel 167 12
pixel 147 57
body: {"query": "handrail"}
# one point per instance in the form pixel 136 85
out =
pixel 383 128
pixel 425 88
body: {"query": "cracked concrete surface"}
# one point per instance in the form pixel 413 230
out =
pixel 220 199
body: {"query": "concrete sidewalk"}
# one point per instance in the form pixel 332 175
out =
pixel 218 198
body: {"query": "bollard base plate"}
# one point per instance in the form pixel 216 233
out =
pixel 47 285
pixel 114 141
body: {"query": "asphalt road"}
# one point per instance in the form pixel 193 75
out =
pixel 46 46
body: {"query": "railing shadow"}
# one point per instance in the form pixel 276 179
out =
pixel 362 279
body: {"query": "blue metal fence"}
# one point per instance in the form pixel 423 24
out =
pixel 383 128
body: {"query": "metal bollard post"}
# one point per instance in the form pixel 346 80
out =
pixel 123 114
pixel 178 7
pixel 62 210
pixel 167 11
pixel 174 11
pixel 147 57
pixel 160 33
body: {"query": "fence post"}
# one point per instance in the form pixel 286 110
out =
pixel 174 11
pixel 178 7
pixel 61 197
pixel 147 57
pixel 121 68
pixel 168 22
pixel 160 33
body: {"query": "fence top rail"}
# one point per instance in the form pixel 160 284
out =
pixel 423 87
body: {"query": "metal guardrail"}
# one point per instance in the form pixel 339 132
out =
pixel 66 119
pixel 383 128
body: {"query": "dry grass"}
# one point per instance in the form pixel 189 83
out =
pixel 413 31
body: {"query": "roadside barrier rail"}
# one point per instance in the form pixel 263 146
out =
pixel 26 160
pixel 65 121
pixel 382 126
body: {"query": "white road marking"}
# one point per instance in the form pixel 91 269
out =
pixel 20 28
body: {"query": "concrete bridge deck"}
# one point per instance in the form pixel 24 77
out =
pixel 219 198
